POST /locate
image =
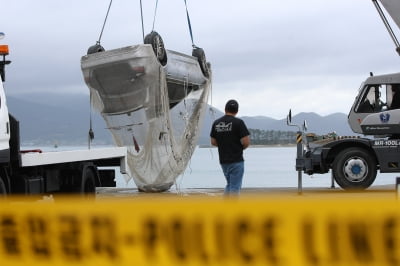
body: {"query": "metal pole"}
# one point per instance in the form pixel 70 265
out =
pixel 300 181
pixel 299 141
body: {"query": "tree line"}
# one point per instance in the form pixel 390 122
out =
pixel 271 137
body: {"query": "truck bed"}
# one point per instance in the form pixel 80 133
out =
pixel 114 156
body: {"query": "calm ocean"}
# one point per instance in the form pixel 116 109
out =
pixel 264 167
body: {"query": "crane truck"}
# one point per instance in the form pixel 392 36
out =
pixel 37 172
pixel 375 113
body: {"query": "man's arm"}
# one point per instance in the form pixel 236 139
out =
pixel 214 142
pixel 245 142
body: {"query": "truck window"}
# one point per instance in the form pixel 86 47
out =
pixel 367 103
pixel 393 96
pixel 382 98
pixel 373 100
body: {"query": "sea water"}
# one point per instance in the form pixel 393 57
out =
pixel 264 167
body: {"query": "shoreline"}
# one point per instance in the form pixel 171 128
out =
pixel 201 146
pixel 281 192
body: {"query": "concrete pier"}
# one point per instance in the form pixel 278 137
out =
pixel 308 192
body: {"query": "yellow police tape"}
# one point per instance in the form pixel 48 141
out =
pixel 248 231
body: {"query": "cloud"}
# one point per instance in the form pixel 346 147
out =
pixel 271 55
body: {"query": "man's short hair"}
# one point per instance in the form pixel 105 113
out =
pixel 232 106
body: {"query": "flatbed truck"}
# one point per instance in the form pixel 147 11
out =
pixel 37 172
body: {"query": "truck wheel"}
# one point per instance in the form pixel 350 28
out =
pixel 3 190
pixel 88 185
pixel 157 43
pixel 354 168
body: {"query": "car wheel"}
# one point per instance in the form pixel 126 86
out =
pixel 95 49
pixel 201 57
pixel 157 43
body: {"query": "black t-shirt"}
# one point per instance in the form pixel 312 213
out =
pixel 228 130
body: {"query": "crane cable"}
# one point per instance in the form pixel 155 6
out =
pixel 154 19
pixel 91 133
pixel 155 13
pixel 190 26
pixel 104 23
pixel 141 16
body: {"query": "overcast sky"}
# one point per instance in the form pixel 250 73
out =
pixel 309 55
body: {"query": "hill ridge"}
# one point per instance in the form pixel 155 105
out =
pixel 48 119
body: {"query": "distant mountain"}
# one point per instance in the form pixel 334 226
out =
pixel 318 124
pixel 50 118
pixel 315 123
pixel 47 119
pixel 325 124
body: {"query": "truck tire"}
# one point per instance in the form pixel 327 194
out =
pixel 354 168
pixel 157 43
pixel 3 190
pixel 88 185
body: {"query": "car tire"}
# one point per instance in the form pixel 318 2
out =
pixel 97 48
pixel 88 185
pixel 157 43
pixel 201 58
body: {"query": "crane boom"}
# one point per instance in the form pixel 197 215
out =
pixel 393 8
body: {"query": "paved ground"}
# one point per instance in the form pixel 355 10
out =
pixel 374 191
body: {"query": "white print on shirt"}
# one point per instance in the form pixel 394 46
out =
pixel 222 127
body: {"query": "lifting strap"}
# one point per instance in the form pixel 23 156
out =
pixel 190 26
pixel 104 23
pixel 141 15
pixel 90 133
pixel 154 18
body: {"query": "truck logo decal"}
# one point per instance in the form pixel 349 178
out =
pixel 390 142
pixel 384 117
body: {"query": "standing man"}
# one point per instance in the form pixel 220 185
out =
pixel 231 136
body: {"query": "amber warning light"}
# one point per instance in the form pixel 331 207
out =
pixel 3 49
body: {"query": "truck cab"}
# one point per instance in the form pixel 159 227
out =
pixel 376 109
